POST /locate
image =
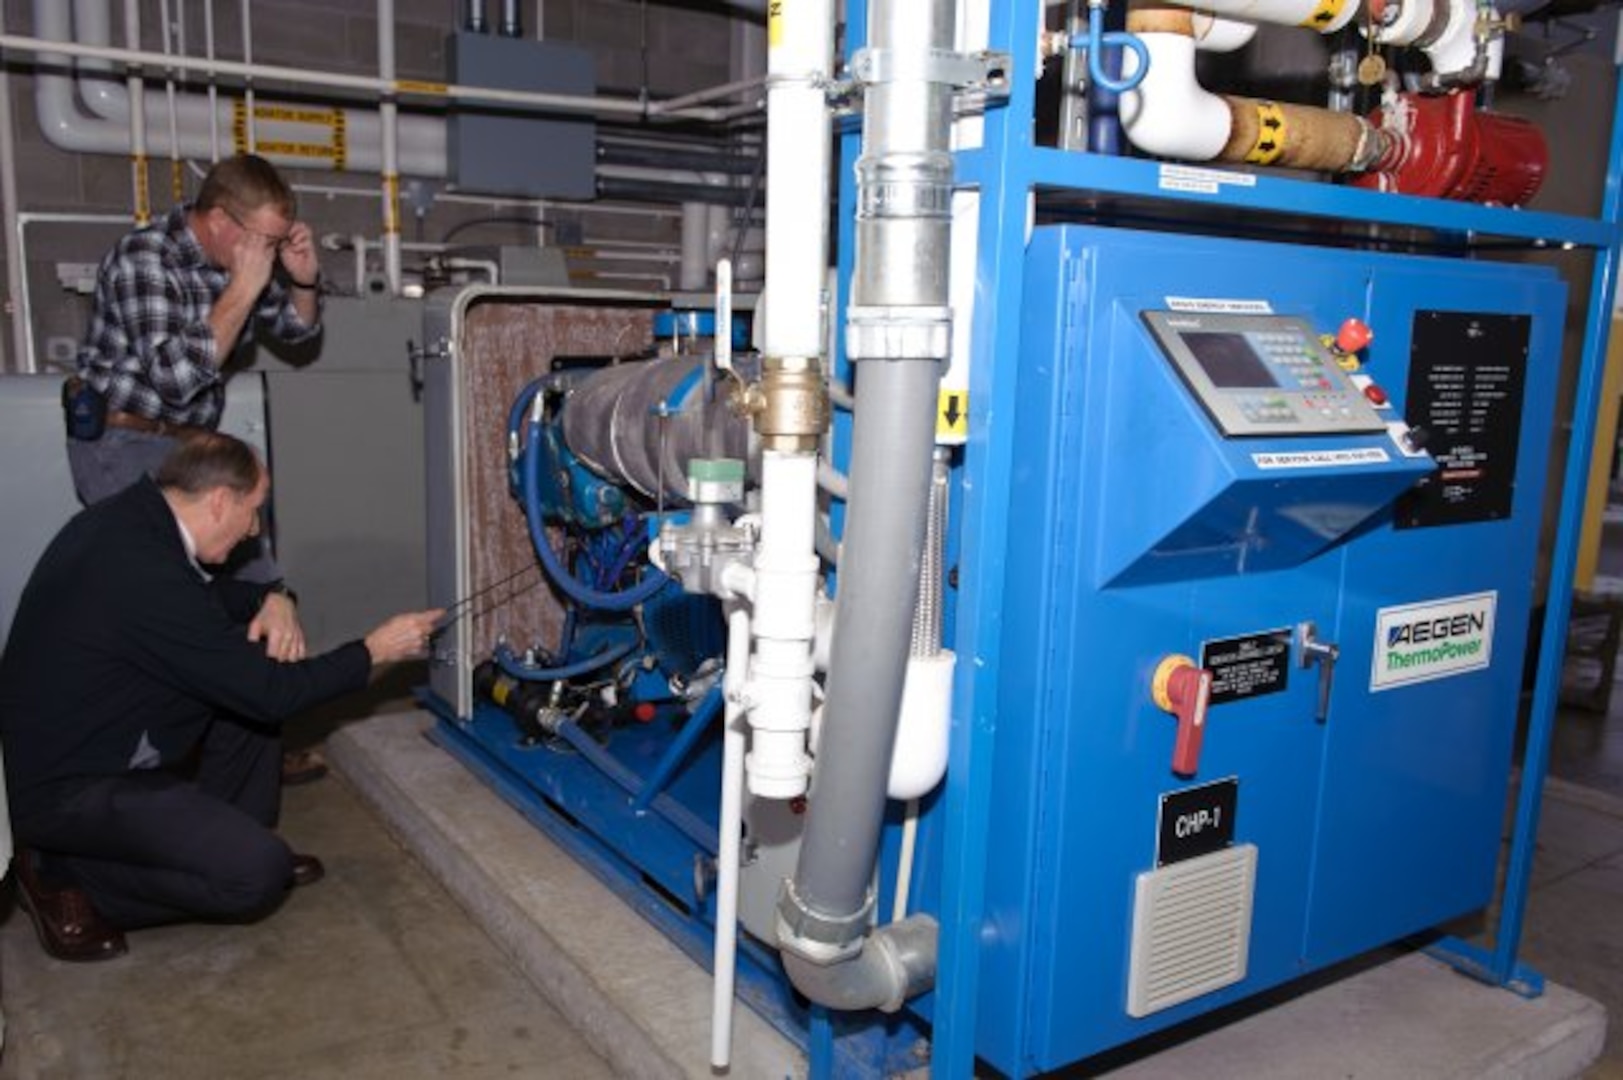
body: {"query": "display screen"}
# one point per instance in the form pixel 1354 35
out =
pixel 1228 360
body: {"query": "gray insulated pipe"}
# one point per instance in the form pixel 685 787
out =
pixel 639 423
pixel 898 334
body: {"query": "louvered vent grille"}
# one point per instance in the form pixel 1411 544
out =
pixel 1191 928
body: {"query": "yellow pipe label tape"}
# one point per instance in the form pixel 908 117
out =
pixel 774 23
pixel 143 194
pixel 416 86
pixel 1323 15
pixel 288 114
pixel 391 209
pixel 340 141
pixel 239 126
pixel 315 151
pixel 1270 142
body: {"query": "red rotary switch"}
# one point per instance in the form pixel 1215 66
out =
pixel 1185 691
pixel 1354 336
pixel 1376 396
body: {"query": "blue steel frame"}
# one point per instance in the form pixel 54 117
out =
pixel 1007 171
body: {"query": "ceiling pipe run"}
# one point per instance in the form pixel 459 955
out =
pixel 314 138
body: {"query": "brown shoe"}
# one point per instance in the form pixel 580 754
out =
pixel 307 870
pixel 302 767
pixel 68 926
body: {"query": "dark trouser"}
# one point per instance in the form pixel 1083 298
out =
pixel 157 847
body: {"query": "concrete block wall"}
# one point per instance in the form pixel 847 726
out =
pixel 666 50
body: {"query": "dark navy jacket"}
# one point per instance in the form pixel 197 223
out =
pixel 121 652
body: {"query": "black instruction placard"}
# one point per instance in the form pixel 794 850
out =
pixel 1247 666
pixel 1466 377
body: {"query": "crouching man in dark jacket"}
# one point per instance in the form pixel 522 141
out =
pixel 139 709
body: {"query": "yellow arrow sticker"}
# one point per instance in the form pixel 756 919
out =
pixel 1270 142
pixel 1323 15
pixel 952 414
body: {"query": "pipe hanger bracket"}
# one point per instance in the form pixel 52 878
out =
pixel 985 72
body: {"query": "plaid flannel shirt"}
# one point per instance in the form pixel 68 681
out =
pixel 150 349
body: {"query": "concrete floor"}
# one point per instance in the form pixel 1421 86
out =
pixel 374 972
pixel 380 971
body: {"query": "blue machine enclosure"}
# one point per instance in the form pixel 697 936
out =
pixel 1139 531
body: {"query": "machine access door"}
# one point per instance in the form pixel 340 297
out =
pixel 1180 490
pixel 1436 603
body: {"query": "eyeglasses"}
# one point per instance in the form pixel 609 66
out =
pixel 278 242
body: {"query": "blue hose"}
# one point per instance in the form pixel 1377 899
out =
pixel 1097 41
pixel 571 586
pixel 515 412
pixel 515 667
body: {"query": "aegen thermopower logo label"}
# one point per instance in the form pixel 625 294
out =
pixel 1418 642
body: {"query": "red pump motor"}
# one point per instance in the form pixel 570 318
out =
pixel 1444 147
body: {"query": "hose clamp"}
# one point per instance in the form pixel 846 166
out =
pixel 819 938
pixel 898 333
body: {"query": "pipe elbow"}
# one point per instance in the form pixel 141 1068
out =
pixel 1170 114
pixel 1214 33
pixel 892 964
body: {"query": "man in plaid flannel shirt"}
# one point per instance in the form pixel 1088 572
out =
pixel 173 303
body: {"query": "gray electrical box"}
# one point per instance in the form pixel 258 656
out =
pixel 509 151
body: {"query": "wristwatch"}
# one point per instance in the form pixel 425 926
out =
pixel 281 587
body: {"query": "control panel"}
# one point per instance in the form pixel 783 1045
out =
pixel 1262 374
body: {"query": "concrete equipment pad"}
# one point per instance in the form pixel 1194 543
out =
pixel 645 1006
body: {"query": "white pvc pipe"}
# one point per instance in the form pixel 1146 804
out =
pixel 1283 12
pixel 166 27
pixel 22 359
pixel 785 625
pixel 728 836
pixel 1170 114
pixel 388 119
pixel 904 862
pixel 248 81
pixel 1213 33
pixel 1451 51
pixel 213 90
pixel 798 148
pixel 139 176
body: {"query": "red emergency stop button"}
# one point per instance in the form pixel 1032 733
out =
pixel 1377 396
pixel 1185 691
pixel 1354 336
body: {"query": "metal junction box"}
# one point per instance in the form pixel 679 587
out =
pixel 1344 561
